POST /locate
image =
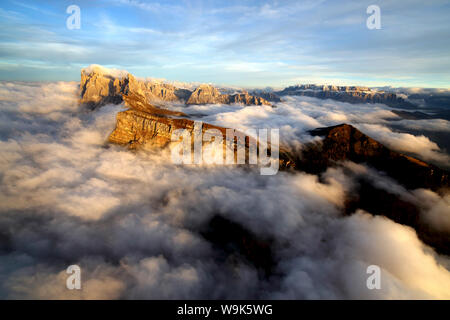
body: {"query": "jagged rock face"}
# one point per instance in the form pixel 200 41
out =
pixel 247 99
pixel 156 92
pixel 344 142
pixel 206 94
pixel 98 88
pixel 351 94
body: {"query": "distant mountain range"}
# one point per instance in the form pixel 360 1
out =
pixel 435 102
pixel 99 88
pixel 351 94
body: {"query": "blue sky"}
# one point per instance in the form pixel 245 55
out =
pixel 243 43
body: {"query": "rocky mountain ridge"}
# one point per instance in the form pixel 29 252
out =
pixel 350 94
pixel 98 88
pixel 206 94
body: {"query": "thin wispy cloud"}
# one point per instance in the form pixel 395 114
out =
pixel 288 40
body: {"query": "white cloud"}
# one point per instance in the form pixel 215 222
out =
pixel 435 209
pixel 420 146
pixel 134 221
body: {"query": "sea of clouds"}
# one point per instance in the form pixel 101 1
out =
pixel 132 221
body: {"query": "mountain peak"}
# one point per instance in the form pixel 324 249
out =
pixel 345 142
pixel 100 86
pixel 100 70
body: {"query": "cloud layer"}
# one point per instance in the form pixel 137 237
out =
pixel 133 221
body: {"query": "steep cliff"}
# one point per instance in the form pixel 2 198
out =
pixel 140 129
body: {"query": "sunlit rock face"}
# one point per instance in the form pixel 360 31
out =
pixel 99 87
pixel 139 129
pixel 206 93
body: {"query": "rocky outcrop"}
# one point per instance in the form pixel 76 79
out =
pixel 345 142
pixel 205 94
pixel 350 94
pixel 247 99
pixel 138 129
pixel 99 87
